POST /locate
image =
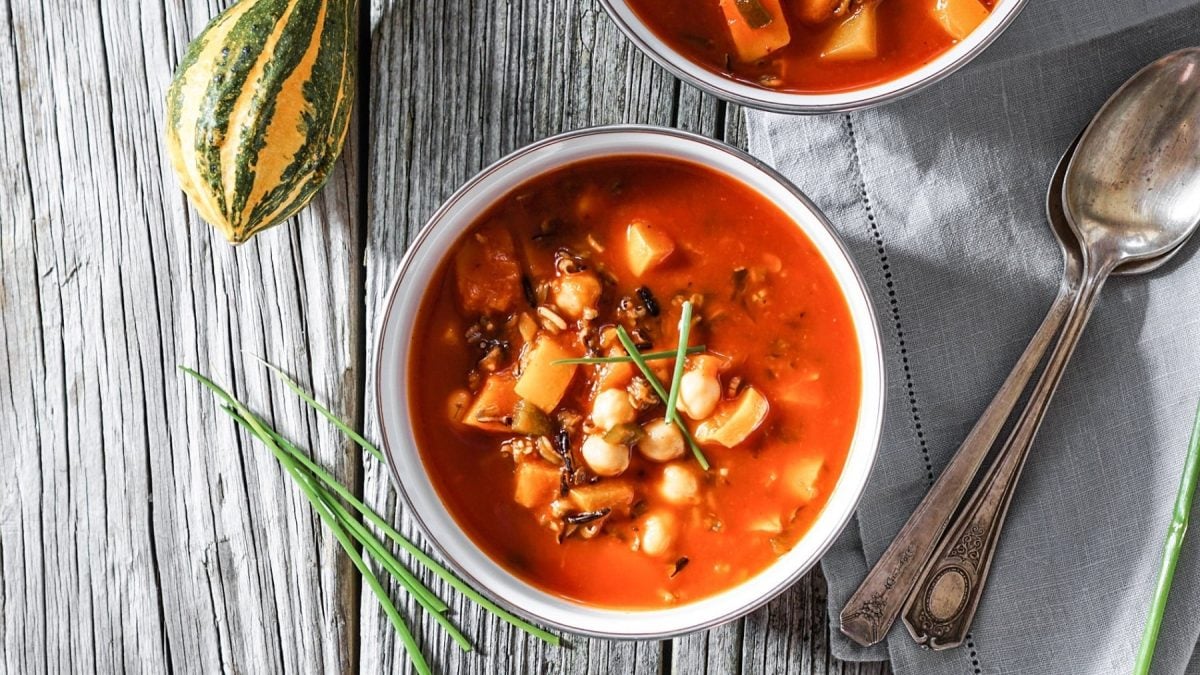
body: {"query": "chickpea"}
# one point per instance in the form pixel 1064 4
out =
pixel 699 394
pixel 604 458
pixel 576 293
pixel 679 484
pixel 658 533
pixel 611 408
pixel 662 443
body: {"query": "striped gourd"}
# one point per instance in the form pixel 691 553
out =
pixel 258 110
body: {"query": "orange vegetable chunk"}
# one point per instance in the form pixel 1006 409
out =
pixel 537 484
pixel 542 381
pixel 959 17
pixel 607 494
pixel 495 399
pixel 488 272
pixel 734 420
pixel 646 247
pixel 854 39
pixel 752 43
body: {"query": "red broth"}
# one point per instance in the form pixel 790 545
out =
pixel 908 34
pixel 769 313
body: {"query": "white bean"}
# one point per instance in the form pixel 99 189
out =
pixel 662 442
pixel 658 533
pixel 611 408
pixel 699 394
pixel 679 484
pixel 604 458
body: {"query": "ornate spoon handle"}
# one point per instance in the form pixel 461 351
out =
pixel 873 608
pixel 946 596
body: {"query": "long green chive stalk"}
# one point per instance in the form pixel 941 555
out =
pixel 308 487
pixel 346 429
pixel 402 574
pixel 421 557
pixel 648 356
pixel 685 327
pixel 1174 543
pixel 633 352
pixel 322 491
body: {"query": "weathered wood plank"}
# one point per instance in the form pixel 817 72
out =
pixel 139 530
pixel 454 87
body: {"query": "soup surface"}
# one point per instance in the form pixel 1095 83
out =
pixel 812 46
pixel 568 474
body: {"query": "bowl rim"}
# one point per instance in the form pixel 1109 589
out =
pixel 874 424
pixel 760 98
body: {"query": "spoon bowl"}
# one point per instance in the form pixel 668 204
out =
pixel 1068 244
pixel 1132 188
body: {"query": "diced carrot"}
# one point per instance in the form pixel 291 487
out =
pixel 495 400
pixel 606 494
pixel 646 247
pixel 854 39
pixel 542 381
pixel 488 272
pixel 752 43
pixel 537 484
pixel 959 17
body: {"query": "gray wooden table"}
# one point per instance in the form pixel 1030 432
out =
pixel 140 530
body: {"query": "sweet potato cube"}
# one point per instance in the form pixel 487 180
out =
pixel 753 43
pixel 646 247
pixel 854 38
pixel 734 420
pixel 496 400
pixel 488 272
pixel 537 483
pixel 606 494
pixel 959 17
pixel 801 477
pixel 542 381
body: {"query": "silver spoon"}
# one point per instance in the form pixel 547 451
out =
pixel 1131 194
pixel 870 612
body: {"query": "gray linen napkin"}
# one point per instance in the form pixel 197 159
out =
pixel 940 198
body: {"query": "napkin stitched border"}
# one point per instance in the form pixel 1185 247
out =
pixel 894 311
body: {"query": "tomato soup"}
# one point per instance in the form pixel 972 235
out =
pixel 550 443
pixel 812 46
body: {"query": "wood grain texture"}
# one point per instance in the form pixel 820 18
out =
pixel 139 530
pixel 456 86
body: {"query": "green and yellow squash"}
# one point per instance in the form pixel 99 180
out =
pixel 258 110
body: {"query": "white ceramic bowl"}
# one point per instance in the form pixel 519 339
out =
pixel 395 343
pixel 780 101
